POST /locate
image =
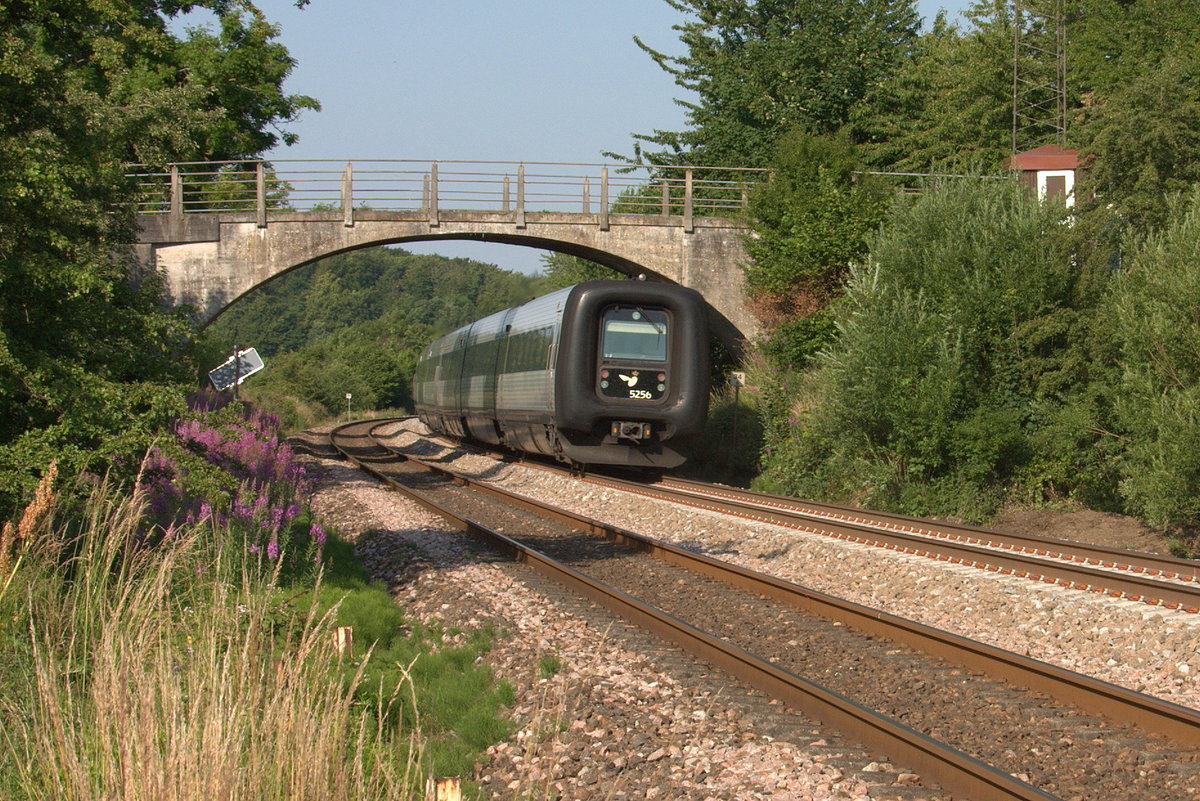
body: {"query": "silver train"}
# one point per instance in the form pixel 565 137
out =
pixel 603 372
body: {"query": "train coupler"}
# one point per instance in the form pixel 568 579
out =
pixel 628 430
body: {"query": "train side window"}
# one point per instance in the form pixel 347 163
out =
pixel 634 333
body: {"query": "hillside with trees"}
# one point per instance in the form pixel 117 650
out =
pixel 356 324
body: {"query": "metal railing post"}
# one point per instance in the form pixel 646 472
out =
pixel 434 220
pixel 604 198
pixel 688 227
pixel 260 195
pixel 520 218
pixel 348 196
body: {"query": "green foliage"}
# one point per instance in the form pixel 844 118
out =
pixel 1144 137
pixel 796 341
pixel 760 69
pixel 548 666
pixel 729 450
pixel 356 323
pixel 926 400
pixel 214 672
pixel 950 103
pixel 1116 41
pixel 1153 311
pixel 86 348
pixel 560 270
pixel 810 222
pixel 455 701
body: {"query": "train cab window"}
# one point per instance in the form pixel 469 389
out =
pixel 634 333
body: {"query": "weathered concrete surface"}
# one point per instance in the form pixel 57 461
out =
pixel 211 260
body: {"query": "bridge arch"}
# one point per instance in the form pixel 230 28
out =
pixel 212 256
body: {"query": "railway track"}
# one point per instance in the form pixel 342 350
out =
pixel 808 635
pixel 1154 579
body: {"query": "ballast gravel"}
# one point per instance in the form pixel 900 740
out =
pixel 598 721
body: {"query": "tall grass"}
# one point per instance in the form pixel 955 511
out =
pixel 170 672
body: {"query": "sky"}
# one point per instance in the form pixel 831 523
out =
pixel 519 80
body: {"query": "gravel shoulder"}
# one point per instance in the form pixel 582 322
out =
pixel 608 725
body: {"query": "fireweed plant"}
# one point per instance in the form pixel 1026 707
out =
pixel 228 463
pixel 184 628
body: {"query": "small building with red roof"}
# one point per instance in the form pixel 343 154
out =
pixel 1048 170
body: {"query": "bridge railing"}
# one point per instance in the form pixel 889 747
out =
pixel 432 187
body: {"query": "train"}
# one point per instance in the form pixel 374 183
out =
pixel 599 373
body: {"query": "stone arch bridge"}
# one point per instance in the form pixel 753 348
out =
pixel 218 230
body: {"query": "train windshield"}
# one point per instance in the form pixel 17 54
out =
pixel 635 333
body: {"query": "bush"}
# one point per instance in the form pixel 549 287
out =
pixel 1152 309
pixel 927 399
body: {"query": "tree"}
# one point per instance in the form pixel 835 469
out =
pixel 1143 140
pixel 948 107
pixel 811 220
pixel 563 270
pixel 87 352
pixel 761 68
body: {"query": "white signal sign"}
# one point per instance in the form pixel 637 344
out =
pixel 236 369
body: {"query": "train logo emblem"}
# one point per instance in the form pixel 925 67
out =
pixel 630 380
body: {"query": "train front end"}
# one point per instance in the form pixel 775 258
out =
pixel 632 378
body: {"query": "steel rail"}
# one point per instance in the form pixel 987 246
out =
pixel 954 770
pixel 1178 723
pixel 1038 566
pixel 1120 558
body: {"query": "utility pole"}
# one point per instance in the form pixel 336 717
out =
pixel 1039 96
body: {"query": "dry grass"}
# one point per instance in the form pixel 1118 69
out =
pixel 168 673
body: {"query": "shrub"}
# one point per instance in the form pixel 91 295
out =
pixel 1152 309
pixel 926 400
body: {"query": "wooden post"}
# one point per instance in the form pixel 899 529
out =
pixel 176 196
pixel 587 196
pixel 666 197
pixel 444 789
pixel 506 203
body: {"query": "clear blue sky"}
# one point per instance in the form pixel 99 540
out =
pixel 520 80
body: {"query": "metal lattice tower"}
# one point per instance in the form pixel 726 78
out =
pixel 1039 74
